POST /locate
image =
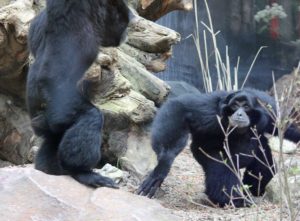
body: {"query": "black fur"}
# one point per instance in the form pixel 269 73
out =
pixel 197 114
pixel 64 39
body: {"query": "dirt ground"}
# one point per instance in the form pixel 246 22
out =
pixel 182 192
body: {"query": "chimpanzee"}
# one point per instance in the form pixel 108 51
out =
pixel 246 113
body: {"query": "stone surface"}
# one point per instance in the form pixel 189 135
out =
pixel 112 172
pixel 288 147
pixel 131 150
pixel 27 194
pixel 289 100
pixel 273 189
pixel 5 164
pixel 139 157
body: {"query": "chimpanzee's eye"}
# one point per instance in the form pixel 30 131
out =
pixel 235 106
pixel 246 106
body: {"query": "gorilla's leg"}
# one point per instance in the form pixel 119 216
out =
pixel 79 150
pixel 46 159
pixel 165 158
pixel 221 185
pixel 262 166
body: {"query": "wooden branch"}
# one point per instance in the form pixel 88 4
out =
pixel 151 37
pixel 153 62
pixel 154 9
pixel 142 80
pixel 14 24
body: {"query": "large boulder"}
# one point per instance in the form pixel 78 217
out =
pixel 288 91
pixel 273 189
pixel 27 194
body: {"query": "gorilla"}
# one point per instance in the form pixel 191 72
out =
pixel 246 113
pixel 64 40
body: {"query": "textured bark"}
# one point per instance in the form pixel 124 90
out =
pixel 15 132
pixel 14 23
pixel 154 9
pixel 151 37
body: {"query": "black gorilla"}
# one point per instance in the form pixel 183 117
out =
pixel 64 39
pixel 197 114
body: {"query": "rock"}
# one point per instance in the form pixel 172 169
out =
pixel 5 164
pixel 28 194
pixel 112 172
pixel 131 149
pixel 292 102
pixel 139 157
pixel 273 188
pixel 288 147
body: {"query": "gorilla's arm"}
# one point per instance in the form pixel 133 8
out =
pixel 169 137
pixel 172 124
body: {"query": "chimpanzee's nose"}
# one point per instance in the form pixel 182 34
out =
pixel 240 113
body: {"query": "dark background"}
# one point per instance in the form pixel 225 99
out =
pixel 243 36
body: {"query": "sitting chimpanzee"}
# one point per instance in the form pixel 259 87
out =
pixel 64 39
pixel 245 111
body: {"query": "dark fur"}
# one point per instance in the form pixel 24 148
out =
pixel 196 114
pixel 64 39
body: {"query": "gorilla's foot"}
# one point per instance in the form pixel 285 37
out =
pixel 95 180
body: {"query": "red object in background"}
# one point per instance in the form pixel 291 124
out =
pixel 274 28
pixel 274 25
